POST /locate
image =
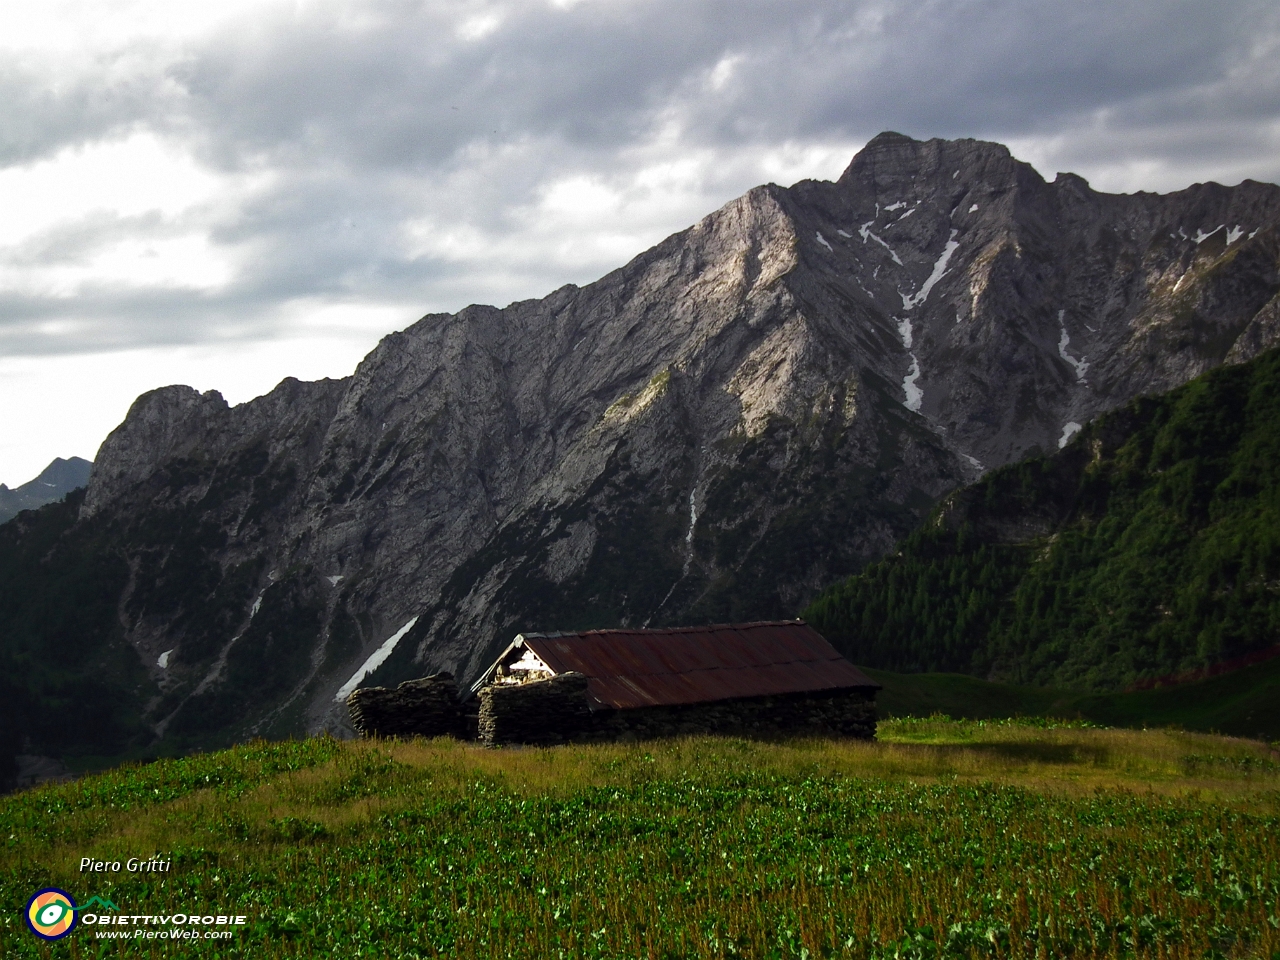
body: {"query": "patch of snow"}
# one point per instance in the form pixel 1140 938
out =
pixel 939 268
pixel 1201 236
pixel 905 215
pixel 915 395
pixel 904 330
pixel 257 605
pixel 973 208
pixel 47 484
pixel 374 662
pixel 956 174
pixel 693 517
pixel 846 235
pixel 896 206
pixel 974 460
pixel 1251 236
pixel 334 581
pixel 865 231
pixel 959 319
pixel 1234 234
pixel 1080 365
pixel 1183 234
pixel 1069 430
pixel 1090 329
pixel 1178 286
pixel 876 272
pixel 163 662
pixel 823 240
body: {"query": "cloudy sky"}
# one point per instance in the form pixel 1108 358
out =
pixel 227 193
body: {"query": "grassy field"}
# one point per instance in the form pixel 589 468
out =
pixel 943 839
pixel 1243 703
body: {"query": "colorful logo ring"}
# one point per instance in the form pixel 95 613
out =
pixel 51 913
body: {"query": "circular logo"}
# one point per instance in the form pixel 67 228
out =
pixel 51 914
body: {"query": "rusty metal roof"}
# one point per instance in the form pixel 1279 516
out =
pixel 645 668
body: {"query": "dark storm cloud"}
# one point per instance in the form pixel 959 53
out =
pixel 46 106
pixel 404 90
pixel 372 121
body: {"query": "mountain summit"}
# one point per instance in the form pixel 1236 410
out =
pixel 747 412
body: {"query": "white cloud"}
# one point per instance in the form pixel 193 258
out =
pixel 479 26
pixel 84 25
pixel 66 407
pixel 187 262
pixel 181 177
pixel 139 174
pixel 722 73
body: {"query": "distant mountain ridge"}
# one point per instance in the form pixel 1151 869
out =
pixel 746 413
pixel 55 481
pixel 1149 547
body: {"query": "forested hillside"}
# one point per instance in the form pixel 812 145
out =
pixel 1149 545
pixel 68 682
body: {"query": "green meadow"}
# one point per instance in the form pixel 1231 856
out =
pixel 943 839
pixel 1244 702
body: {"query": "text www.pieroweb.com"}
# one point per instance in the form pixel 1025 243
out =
pixel 164 934
pixel 175 927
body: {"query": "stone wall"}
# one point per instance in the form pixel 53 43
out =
pixel 841 713
pixel 556 711
pixel 545 711
pixel 417 708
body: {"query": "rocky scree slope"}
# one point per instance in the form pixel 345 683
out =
pixel 750 410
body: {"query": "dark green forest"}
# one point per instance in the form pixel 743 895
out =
pixel 67 680
pixel 1150 545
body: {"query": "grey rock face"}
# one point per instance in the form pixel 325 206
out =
pixel 751 409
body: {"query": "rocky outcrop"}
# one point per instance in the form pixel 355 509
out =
pixel 743 414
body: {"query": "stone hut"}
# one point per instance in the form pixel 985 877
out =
pixel 762 679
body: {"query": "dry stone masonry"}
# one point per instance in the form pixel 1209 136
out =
pixel 555 711
pixel 542 711
pixel 416 708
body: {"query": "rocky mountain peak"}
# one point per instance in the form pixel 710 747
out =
pixel 753 408
pixel 891 166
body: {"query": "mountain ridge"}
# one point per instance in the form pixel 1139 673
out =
pixel 749 411
pixel 54 482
